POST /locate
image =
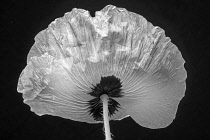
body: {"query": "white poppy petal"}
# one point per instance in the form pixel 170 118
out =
pixel 152 101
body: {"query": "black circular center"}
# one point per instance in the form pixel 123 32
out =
pixel 111 86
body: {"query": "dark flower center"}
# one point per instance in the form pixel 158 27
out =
pixel 111 86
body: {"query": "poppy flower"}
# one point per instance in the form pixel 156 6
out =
pixel 111 66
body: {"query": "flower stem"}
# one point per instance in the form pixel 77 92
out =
pixel 104 98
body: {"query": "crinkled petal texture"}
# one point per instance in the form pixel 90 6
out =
pixel 143 72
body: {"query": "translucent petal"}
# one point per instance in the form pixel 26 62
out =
pixel 152 104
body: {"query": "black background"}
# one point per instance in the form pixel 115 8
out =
pixel 185 22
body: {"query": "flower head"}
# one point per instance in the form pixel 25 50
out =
pixel 79 59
